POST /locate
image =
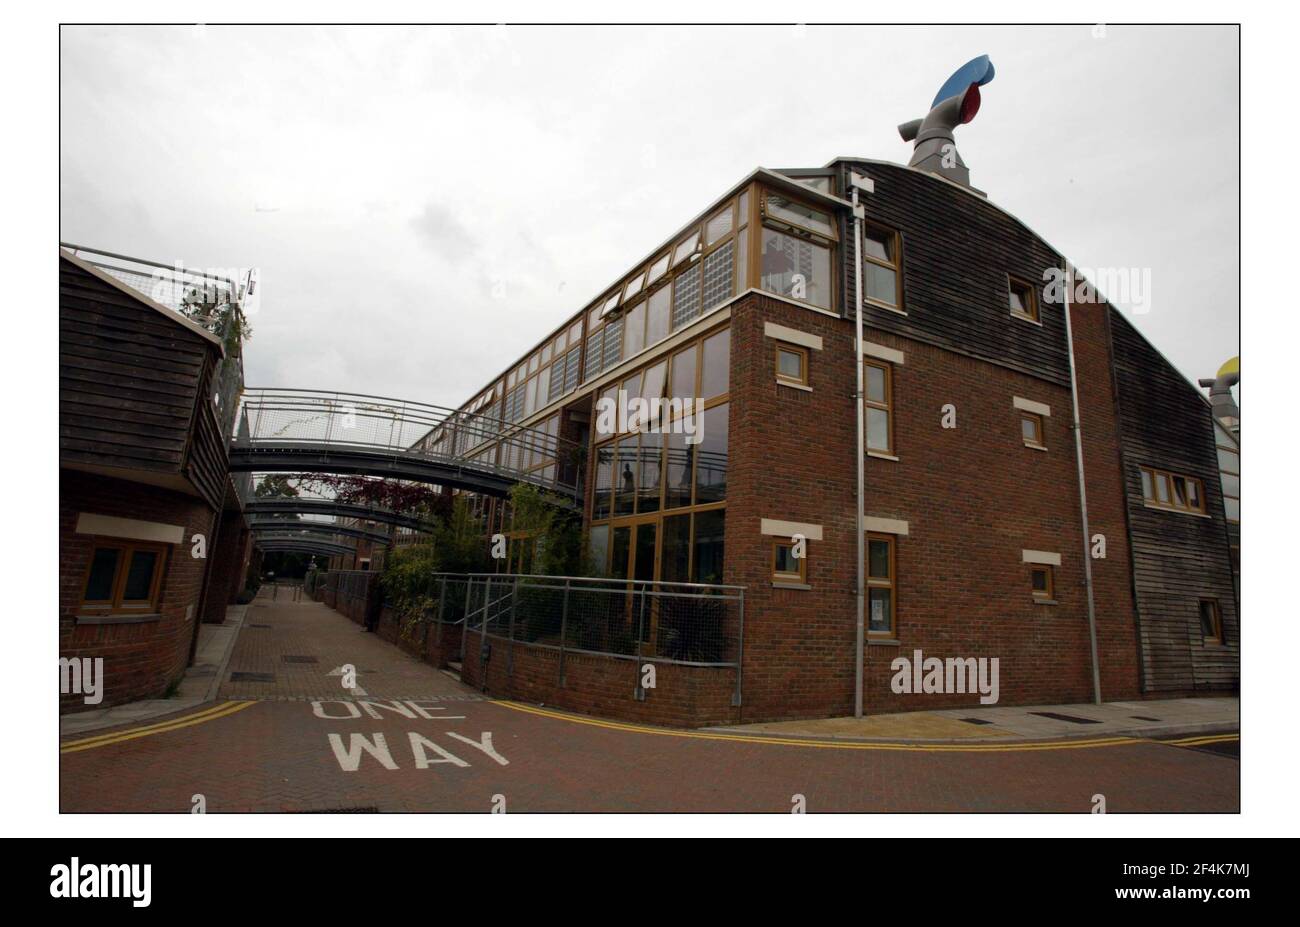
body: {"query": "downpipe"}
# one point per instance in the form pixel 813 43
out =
pixel 1083 493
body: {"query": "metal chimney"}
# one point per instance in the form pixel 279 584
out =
pixel 956 103
pixel 1222 405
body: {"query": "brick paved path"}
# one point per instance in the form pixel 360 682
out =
pixel 438 746
pixel 300 644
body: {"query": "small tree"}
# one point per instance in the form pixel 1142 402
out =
pixel 461 542
pixel 557 534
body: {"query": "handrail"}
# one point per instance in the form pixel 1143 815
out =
pixel 292 420
pixel 590 579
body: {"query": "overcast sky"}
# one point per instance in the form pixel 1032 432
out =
pixel 425 204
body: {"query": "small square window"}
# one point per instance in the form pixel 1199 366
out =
pixel 123 578
pixel 1040 579
pixel 1031 429
pixel 1211 621
pixel 1023 303
pixel 791 364
pixel 786 567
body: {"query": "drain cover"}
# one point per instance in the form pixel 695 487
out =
pixel 976 720
pixel 1143 718
pixel 297 659
pixel 1059 717
pixel 252 677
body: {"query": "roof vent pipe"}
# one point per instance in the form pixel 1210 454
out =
pixel 1224 407
pixel 956 103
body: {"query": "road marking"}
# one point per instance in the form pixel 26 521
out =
pixel 104 740
pixel 1203 739
pixel 831 744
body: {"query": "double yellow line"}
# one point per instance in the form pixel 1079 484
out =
pixel 838 744
pixel 222 710
pixel 1203 739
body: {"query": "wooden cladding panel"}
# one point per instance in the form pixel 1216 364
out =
pixel 1178 558
pixel 130 385
pixel 957 253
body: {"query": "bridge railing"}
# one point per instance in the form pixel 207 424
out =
pixel 316 419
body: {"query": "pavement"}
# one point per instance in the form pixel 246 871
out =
pixel 1149 718
pixel 406 737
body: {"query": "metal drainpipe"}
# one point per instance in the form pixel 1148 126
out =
pixel 861 445
pixel 1083 494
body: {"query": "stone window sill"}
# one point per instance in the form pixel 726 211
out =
pixel 1038 601
pixel 798 386
pixel 118 619
pixel 882 642
pixel 803 586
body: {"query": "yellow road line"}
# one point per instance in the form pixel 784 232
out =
pixel 829 744
pixel 111 735
pixel 1202 739
pixel 210 714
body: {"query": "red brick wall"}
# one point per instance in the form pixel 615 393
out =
pixel 684 696
pixel 228 555
pixel 140 660
pixel 1112 578
pixel 974 497
pixel 423 640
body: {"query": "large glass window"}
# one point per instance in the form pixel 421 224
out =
pixel 675 556
pixel 710 529
pixel 657 316
pixel 779 206
pixel 634 331
pixel 711 456
pixel 682 385
pixel 796 268
pixel 717 365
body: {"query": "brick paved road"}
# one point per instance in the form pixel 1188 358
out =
pixel 447 749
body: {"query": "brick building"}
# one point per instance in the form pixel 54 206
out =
pixel 152 541
pixel 973 523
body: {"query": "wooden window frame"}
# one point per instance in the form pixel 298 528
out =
pixel 891 584
pixel 887 406
pixel 601 441
pixel 804 360
pixel 830 237
pixel 896 240
pixel 1049 593
pixel 781 578
pixel 1217 636
pixel 115 605
pixel 1155 475
pixel 1038 441
pixel 1026 289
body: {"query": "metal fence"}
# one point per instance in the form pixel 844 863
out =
pixel 692 624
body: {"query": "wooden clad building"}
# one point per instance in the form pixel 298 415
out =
pixel 144 489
